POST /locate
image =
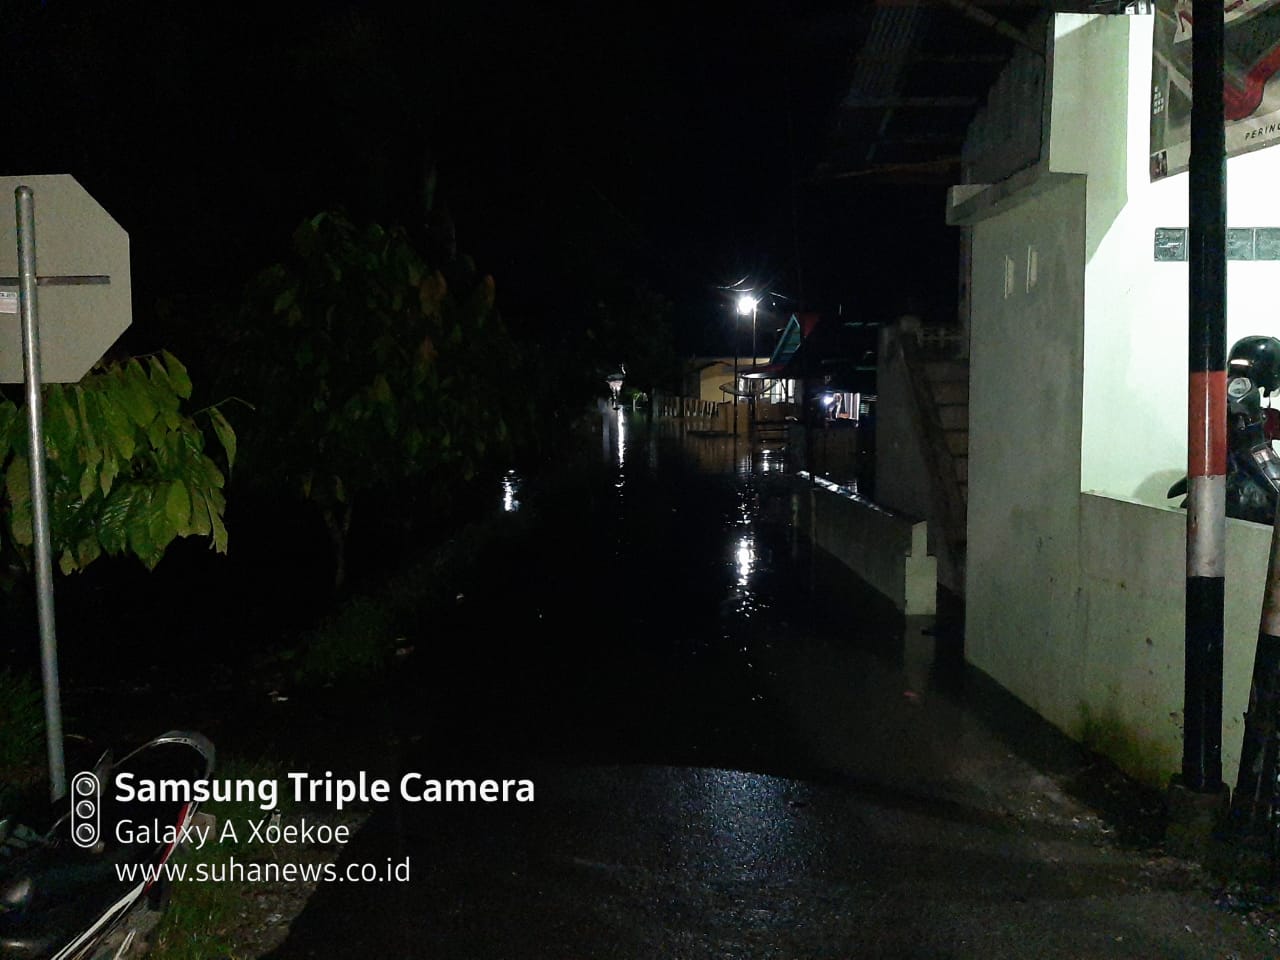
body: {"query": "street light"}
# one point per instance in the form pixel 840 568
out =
pixel 614 380
pixel 747 305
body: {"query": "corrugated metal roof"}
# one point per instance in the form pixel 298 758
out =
pixel 919 72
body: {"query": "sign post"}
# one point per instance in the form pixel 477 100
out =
pixel 26 226
pixel 88 310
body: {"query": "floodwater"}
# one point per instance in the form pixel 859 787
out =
pixel 664 611
pixel 737 752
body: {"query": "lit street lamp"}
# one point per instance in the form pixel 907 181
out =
pixel 746 305
pixel 614 380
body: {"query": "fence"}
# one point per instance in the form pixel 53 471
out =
pixel 666 406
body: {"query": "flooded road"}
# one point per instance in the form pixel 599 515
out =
pixel 737 752
pixel 664 612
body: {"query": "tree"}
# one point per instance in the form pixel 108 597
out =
pixel 634 328
pixel 126 468
pixel 368 368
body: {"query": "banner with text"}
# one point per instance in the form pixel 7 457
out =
pixel 1251 90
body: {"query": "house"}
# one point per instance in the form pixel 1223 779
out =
pixel 825 361
pixel 710 379
pixel 1077 317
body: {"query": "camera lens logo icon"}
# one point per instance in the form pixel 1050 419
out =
pixel 86 806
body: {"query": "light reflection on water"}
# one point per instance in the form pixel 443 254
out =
pixel 622 437
pixel 746 821
pixel 627 435
pixel 771 461
pixel 620 445
pixel 746 556
pixel 511 491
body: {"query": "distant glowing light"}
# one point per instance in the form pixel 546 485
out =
pixel 614 380
pixel 510 487
pixel 746 557
pixel 746 305
pixel 622 438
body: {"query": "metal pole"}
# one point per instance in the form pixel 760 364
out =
pixel 755 386
pixel 39 499
pixel 735 378
pixel 1207 420
pixel 753 338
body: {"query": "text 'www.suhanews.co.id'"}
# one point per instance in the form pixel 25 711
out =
pixel 236 871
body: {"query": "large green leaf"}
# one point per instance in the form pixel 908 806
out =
pixel 215 520
pixel 113 520
pixel 120 429
pixel 60 424
pixel 178 377
pixel 137 524
pixel 17 482
pixel 200 523
pixel 91 451
pixel 107 473
pixel 159 376
pixel 226 435
pixel 157 432
pixel 178 506
pixel 135 394
pixel 160 528
pixel 10 424
pixel 87 551
pixel 88 481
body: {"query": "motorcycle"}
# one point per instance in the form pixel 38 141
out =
pixel 1253 468
pixel 78 891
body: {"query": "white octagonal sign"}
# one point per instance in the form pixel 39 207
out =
pixel 75 238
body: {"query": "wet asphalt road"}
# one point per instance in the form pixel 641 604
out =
pixel 737 754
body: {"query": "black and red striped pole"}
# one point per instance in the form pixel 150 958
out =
pixel 1207 420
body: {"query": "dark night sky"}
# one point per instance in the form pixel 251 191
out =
pixel 638 139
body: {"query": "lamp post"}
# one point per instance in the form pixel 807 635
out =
pixel 735 382
pixel 614 380
pixel 746 305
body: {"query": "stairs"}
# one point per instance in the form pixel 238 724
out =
pixel 771 431
pixel 948 386
pixel 937 374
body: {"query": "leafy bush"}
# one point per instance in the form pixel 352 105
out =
pixel 126 468
pixel 209 919
pixel 21 725
pixel 372 371
pixel 362 637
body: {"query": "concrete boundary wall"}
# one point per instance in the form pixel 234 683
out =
pixel 1132 648
pixel 885 549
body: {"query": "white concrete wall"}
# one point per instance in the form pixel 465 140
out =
pixel 886 550
pixel 1136 308
pixel 1075 599
pixel 1133 629
pixel 902 480
pixel 711 378
pixel 1022 602
pixel 902 476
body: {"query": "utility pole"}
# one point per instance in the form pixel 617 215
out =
pixel 1207 421
pixel 735 380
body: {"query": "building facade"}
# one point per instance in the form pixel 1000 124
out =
pixel 1078 415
